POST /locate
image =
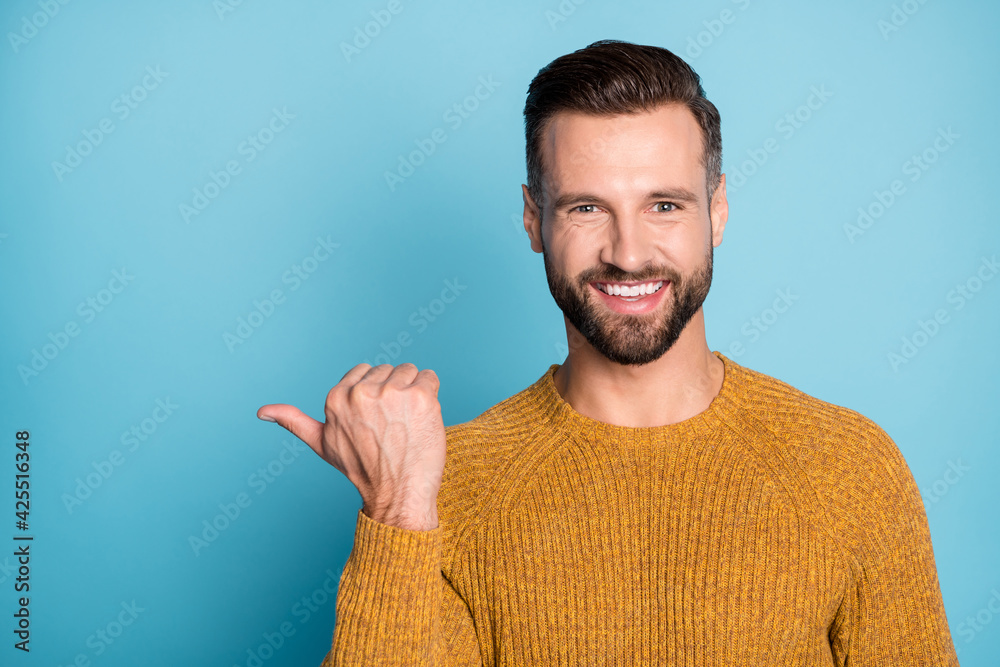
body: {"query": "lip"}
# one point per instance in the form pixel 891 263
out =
pixel 641 305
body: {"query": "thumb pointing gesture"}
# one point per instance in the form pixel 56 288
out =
pixel 299 424
pixel 384 431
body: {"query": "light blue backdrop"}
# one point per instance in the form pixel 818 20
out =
pixel 169 166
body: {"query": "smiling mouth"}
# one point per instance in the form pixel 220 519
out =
pixel 630 291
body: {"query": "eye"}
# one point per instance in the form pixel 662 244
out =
pixel 673 207
pixel 582 206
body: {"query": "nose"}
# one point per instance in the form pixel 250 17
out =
pixel 626 244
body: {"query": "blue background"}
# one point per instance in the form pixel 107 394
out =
pixel 350 117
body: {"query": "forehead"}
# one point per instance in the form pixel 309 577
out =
pixel 646 149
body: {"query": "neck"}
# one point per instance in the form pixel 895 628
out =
pixel 675 387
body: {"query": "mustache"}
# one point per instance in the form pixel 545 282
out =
pixel 615 275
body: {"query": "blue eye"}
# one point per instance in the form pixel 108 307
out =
pixel 577 208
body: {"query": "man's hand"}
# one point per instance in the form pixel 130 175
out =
pixel 384 431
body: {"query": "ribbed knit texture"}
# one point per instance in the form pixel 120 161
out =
pixel 771 529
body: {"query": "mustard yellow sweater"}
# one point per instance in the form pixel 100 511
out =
pixel 772 529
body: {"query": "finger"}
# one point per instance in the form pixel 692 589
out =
pixel 376 373
pixel 301 425
pixel 352 376
pixel 428 378
pixel 402 375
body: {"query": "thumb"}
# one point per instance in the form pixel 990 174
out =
pixel 301 425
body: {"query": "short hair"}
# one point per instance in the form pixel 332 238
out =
pixel 612 77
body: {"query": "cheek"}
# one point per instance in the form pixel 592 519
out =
pixel 689 246
pixel 577 245
pixel 566 250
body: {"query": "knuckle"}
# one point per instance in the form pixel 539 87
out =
pixel 423 397
pixel 361 369
pixel 362 392
pixel 334 397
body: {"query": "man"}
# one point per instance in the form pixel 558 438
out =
pixel 648 501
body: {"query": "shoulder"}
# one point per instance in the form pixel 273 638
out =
pixel 808 425
pixel 846 462
pixel 482 451
pixel 506 423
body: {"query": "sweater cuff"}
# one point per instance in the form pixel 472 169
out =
pixel 392 578
pixel 380 547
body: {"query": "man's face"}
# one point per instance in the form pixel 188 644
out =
pixel 625 204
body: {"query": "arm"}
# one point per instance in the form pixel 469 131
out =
pixel 893 613
pixel 394 606
pixel 384 431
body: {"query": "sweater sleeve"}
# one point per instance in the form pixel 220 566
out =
pixel 394 605
pixel 893 613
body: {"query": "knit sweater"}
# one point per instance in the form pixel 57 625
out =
pixel 771 529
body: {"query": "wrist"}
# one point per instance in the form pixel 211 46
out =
pixel 407 519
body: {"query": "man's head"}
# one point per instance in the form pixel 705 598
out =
pixel 612 77
pixel 624 160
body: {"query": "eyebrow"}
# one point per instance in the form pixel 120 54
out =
pixel 676 194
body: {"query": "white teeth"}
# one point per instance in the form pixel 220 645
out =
pixel 630 291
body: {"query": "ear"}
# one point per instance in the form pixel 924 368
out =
pixel 719 211
pixel 532 219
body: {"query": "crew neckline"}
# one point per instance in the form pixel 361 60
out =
pixel 701 425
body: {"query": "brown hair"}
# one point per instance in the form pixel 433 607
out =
pixel 611 77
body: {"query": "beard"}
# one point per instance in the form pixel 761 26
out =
pixel 631 340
